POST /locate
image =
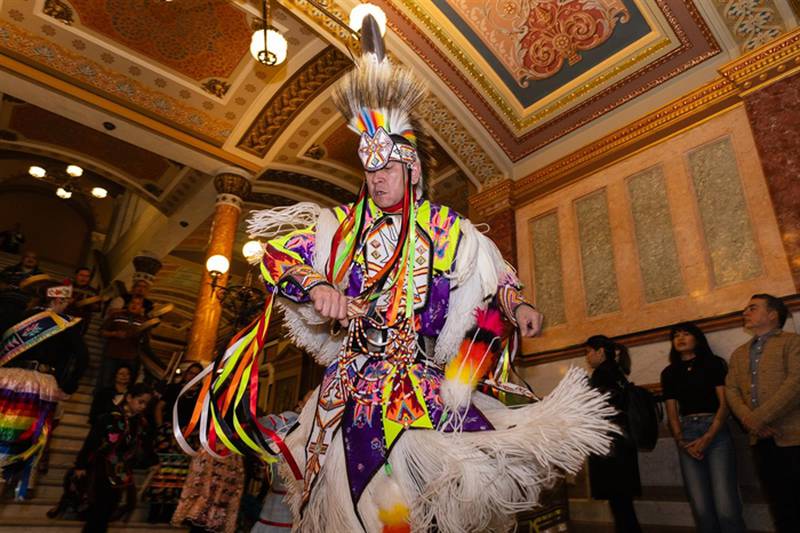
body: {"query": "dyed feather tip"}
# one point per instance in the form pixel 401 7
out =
pixel 478 351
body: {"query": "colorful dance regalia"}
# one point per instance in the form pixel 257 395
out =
pixel 396 437
pixel 41 360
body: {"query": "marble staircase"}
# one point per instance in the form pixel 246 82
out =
pixel 30 516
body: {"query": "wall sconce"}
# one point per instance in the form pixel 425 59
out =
pixel 217 265
pixel 252 251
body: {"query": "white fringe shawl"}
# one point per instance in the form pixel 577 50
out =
pixel 466 481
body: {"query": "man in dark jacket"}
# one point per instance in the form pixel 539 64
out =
pixel 42 359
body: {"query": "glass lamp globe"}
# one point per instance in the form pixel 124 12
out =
pixel 271 53
pixel 362 10
pixel 252 249
pixel 99 192
pixel 37 172
pixel 63 193
pixel 75 171
pixel 218 263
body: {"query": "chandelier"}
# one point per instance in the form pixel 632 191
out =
pixel 67 181
pixel 269 47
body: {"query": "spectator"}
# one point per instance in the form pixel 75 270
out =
pixel 108 455
pixel 763 391
pixel 167 482
pixel 124 341
pixel 108 398
pixel 614 477
pixel 83 292
pixel 211 494
pixel 11 240
pixel 276 516
pixel 139 289
pixel 44 357
pixel 694 388
pixel 28 266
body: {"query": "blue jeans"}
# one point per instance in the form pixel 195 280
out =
pixel 711 482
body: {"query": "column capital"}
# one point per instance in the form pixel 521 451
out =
pixel 233 181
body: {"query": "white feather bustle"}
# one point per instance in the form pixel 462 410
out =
pixel 466 481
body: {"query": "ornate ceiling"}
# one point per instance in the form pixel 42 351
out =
pixel 509 78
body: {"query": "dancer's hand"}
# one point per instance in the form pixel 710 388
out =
pixel 529 320
pixel 329 302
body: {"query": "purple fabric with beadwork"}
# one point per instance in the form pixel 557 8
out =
pixel 362 425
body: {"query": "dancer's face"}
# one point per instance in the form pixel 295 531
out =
pixel 386 186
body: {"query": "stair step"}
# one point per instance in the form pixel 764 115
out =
pixel 77 408
pixel 46 525
pixel 25 512
pixel 75 419
pixel 56 472
pixel 61 443
pixel 75 431
pixel 81 397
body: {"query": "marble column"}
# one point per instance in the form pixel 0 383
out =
pixel 773 112
pixel 494 207
pixel 232 185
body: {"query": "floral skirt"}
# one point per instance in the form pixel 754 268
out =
pixel 212 493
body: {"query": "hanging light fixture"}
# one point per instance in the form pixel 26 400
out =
pixel 37 172
pixel 75 171
pixel 67 181
pixel 267 45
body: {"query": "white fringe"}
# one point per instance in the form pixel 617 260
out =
pixel 309 330
pixel 271 223
pixel 479 269
pixel 468 481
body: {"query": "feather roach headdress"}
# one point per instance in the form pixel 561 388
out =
pixel 378 100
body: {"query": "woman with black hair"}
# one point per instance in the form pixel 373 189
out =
pixel 694 387
pixel 614 477
pixel 108 455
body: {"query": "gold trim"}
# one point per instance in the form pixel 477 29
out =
pixel 766 65
pixel 756 70
pixel 457 53
pixel 37 76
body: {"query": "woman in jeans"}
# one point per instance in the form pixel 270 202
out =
pixel 614 477
pixel 694 388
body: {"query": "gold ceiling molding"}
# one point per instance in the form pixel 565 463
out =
pixel 765 66
pixel 468 150
pixel 520 123
pixel 92 99
pixel 58 10
pixel 218 88
pixel 324 20
pixel 291 98
pixel 756 70
pixel 47 55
